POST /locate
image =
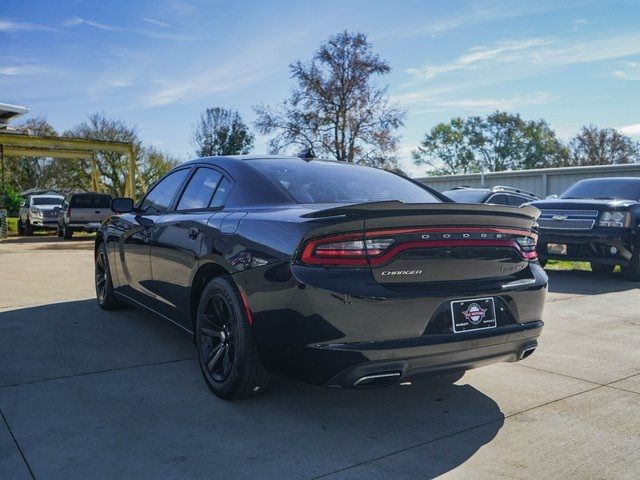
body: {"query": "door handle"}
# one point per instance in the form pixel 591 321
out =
pixel 193 233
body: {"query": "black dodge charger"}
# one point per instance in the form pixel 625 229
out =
pixel 596 220
pixel 331 273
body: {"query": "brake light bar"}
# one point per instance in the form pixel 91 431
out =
pixel 378 247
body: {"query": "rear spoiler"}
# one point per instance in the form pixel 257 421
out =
pixel 397 208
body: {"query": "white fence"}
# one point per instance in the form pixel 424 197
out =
pixel 547 181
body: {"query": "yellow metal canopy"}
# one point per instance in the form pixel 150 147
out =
pixel 18 145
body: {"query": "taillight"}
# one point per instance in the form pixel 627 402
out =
pixel 527 247
pixel 350 249
pixel 377 248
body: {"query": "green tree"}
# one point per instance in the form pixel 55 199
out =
pixel 446 149
pixel 500 141
pixel 221 132
pixel 336 108
pixel 602 146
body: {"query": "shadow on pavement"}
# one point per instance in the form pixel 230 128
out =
pixel 587 283
pixel 149 414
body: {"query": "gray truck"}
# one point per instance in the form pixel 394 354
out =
pixel 39 212
pixel 83 212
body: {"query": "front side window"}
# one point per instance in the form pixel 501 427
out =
pixel 159 199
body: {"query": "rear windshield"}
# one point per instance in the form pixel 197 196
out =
pixel 46 201
pixel 90 201
pixel 320 181
pixel 467 196
pixel 605 188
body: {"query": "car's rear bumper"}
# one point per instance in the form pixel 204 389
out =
pixel 85 226
pixel 596 245
pixel 328 337
pixel 406 360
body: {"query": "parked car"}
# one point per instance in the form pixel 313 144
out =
pixel 83 212
pixel 39 212
pixel 499 195
pixel 331 273
pixel 596 221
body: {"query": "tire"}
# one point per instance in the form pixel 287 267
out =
pixel 67 232
pixel 632 271
pixel 20 227
pixel 601 268
pixel 104 285
pixel 28 229
pixel 227 353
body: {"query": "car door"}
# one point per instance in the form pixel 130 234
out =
pixel 176 242
pixel 135 237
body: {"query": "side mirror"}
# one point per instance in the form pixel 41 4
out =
pixel 551 197
pixel 122 205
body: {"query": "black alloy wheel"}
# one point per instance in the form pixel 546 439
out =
pixel 228 357
pixel 104 285
pixel 217 330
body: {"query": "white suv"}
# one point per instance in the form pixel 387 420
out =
pixel 39 212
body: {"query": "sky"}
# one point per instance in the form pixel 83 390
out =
pixel 158 64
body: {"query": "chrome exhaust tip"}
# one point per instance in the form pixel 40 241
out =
pixel 377 380
pixel 527 351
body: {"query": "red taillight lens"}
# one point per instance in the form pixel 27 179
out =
pixel 527 247
pixel 349 249
pixel 377 248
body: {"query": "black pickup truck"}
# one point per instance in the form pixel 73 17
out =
pixel 595 220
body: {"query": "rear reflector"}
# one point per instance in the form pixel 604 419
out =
pixel 377 248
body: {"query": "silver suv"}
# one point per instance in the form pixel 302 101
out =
pixel 39 212
pixel 83 212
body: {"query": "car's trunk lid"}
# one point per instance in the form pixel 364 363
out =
pixel 440 242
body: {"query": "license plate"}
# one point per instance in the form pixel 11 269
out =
pixel 473 314
pixel 556 248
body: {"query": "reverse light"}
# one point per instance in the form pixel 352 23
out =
pixel 613 219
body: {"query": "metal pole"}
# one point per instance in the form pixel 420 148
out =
pixel 132 174
pixel 2 167
pixel 95 178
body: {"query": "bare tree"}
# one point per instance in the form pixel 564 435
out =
pixel 602 146
pixel 113 166
pixel 336 109
pixel 221 132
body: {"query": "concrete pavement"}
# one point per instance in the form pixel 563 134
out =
pixel 91 394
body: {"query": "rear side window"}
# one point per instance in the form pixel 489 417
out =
pixel 500 199
pixel 221 194
pixel 516 200
pixel 200 189
pixel 159 198
pixel 320 181
pixel 90 201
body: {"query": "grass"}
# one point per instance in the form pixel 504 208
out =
pixel 12 222
pixel 567 265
